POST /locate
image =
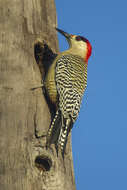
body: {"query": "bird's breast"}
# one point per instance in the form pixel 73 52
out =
pixel 50 84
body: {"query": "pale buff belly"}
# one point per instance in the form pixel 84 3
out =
pixel 50 84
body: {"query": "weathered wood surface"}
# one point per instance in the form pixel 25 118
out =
pixel 23 110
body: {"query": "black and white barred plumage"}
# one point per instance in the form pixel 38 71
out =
pixel 71 81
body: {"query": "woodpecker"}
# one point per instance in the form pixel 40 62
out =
pixel 65 84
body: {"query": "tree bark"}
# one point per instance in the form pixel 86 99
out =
pixel 25 164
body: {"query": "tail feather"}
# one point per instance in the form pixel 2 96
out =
pixel 58 132
pixel 54 130
pixel 66 127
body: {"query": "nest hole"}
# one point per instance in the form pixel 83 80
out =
pixel 43 163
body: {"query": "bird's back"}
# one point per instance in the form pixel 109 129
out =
pixel 71 81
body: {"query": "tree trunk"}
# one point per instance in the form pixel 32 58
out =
pixel 25 164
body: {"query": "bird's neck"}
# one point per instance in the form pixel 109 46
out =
pixel 76 51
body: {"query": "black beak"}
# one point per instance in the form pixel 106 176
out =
pixel 68 36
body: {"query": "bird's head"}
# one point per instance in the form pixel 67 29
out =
pixel 78 45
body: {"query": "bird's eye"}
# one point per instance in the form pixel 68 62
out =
pixel 78 38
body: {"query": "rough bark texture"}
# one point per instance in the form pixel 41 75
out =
pixel 25 164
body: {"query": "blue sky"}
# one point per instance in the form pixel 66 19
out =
pixel 99 136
